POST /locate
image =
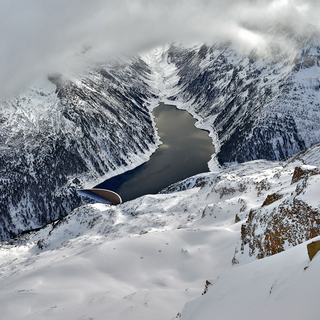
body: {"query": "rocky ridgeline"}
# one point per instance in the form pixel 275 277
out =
pixel 286 218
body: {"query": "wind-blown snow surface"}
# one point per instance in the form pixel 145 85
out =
pixel 285 286
pixel 145 258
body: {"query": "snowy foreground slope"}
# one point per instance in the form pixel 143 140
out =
pixel 285 286
pixel 146 258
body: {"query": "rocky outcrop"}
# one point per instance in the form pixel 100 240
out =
pixel 303 172
pixel 284 220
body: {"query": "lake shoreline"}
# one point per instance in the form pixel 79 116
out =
pixel 185 151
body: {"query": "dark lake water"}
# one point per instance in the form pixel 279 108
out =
pixel 185 151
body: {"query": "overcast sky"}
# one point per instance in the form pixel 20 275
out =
pixel 38 37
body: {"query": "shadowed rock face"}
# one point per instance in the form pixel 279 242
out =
pixel 303 172
pixel 272 198
pixel 313 249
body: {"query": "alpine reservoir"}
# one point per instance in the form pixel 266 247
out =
pixel 184 152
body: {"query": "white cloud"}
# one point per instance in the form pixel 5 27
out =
pixel 39 37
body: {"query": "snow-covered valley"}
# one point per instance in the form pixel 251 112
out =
pixel 239 233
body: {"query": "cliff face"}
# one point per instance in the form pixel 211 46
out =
pixel 286 218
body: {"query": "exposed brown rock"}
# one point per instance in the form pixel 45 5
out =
pixel 303 173
pixel 313 249
pixel 262 185
pixel 293 223
pixel 206 287
pixel 272 198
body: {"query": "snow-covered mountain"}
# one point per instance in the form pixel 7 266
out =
pixel 145 258
pixel 248 221
pixel 256 108
pixel 64 133
pixel 67 132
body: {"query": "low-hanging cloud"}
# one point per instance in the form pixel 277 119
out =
pixel 40 37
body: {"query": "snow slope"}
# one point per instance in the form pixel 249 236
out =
pixel 141 260
pixel 145 258
pixel 284 286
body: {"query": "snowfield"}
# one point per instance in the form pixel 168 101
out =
pixel 284 286
pixel 146 258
